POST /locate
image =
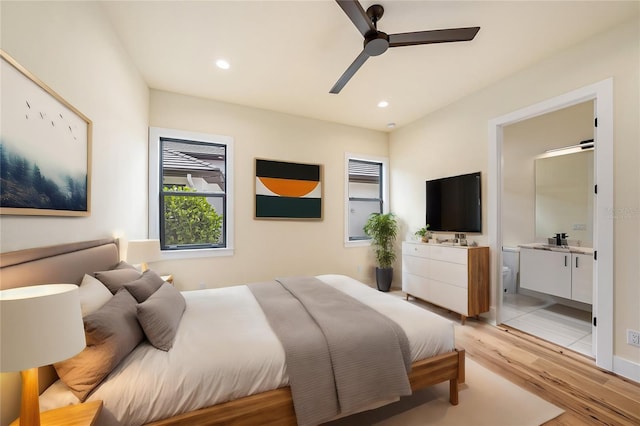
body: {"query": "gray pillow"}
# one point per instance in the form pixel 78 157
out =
pixel 124 265
pixel 112 332
pixel 144 286
pixel 160 316
pixel 116 278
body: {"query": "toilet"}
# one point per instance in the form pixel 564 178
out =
pixel 506 275
pixel 510 268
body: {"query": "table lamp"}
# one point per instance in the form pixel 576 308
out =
pixel 39 325
pixel 143 251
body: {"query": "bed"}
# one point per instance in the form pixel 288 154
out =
pixel 257 393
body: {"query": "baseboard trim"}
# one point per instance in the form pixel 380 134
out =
pixel 625 368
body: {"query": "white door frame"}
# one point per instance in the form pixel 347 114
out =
pixel 602 94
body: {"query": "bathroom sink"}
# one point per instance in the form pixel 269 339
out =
pixel 553 247
pixel 542 246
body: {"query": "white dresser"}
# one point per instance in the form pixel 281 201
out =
pixel 454 277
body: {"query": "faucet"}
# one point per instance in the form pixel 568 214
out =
pixel 561 238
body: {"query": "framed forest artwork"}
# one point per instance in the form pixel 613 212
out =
pixel 45 148
pixel 288 190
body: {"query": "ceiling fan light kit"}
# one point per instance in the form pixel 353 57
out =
pixel 377 42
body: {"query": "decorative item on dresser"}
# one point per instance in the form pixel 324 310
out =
pixel 40 325
pixel 423 233
pixel 454 277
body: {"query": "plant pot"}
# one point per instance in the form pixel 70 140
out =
pixel 384 276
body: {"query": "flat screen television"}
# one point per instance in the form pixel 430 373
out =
pixel 454 204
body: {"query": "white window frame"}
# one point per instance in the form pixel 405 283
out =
pixel 385 192
pixel 155 134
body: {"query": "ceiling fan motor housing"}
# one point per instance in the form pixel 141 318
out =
pixel 376 43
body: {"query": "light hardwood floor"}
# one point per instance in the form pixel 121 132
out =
pixel 589 395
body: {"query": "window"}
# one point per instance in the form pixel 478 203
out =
pixel 366 191
pixel 190 191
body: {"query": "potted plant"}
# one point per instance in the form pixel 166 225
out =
pixel 424 233
pixel 383 229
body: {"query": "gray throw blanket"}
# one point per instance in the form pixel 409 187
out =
pixel 341 354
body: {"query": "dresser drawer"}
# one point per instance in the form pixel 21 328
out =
pixel 415 265
pixel 415 286
pixel 449 296
pixel 451 273
pixel 416 249
pixel 448 254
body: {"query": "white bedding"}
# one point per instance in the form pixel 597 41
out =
pixel 224 350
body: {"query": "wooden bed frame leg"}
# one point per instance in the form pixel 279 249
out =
pixel 453 392
pixel 460 377
pixel 461 366
pixel 463 319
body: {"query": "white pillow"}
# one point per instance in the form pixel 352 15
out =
pixel 93 294
pixel 57 395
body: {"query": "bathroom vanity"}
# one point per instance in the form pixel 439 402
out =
pixel 562 271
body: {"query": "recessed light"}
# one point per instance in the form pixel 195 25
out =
pixel 391 125
pixel 222 64
pixel 383 104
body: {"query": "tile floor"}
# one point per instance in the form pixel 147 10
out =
pixel 562 325
pixel 559 324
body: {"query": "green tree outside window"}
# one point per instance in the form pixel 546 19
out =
pixel 190 219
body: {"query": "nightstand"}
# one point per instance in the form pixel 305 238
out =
pixel 168 278
pixel 84 414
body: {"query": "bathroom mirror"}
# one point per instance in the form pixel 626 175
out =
pixel 564 195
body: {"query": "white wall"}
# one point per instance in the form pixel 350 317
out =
pixel 265 249
pixel 72 48
pixel 454 140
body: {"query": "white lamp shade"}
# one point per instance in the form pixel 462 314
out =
pixel 140 251
pixel 40 325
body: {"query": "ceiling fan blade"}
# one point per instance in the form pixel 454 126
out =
pixel 433 36
pixel 358 16
pixel 355 66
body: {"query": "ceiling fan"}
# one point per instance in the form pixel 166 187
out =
pixel 377 42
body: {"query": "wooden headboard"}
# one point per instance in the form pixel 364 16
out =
pixel 64 263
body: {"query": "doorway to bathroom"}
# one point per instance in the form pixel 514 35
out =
pixel 601 94
pixel 547 190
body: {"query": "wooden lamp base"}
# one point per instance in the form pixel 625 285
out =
pixel 30 404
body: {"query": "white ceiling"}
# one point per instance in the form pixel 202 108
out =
pixel 286 55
